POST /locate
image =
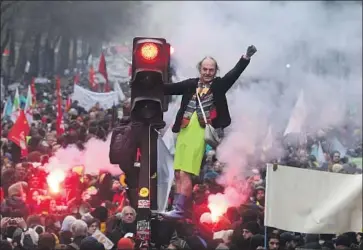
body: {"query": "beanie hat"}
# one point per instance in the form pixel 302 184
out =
pixel 257 241
pixel 249 215
pixel 90 243
pixel 343 240
pixel 46 241
pixel 125 244
pixel 251 226
pixel 17 189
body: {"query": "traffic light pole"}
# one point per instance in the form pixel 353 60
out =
pixel 147 192
pixel 149 72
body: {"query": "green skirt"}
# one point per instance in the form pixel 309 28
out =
pixel 190 147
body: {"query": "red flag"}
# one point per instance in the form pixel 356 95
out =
pixel 59 121
pixel 102 69
pixel 91 77
pixel 76 79
pixel 69 103
pixel 19 131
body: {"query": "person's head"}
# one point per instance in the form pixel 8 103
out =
pixel 87 178
pixel 274 242
pixel 79 228
pixel 128 214
pixel 260 194
pixel 335 157
pixel 46 241
pixel 207 68
pixel 342 241
pixel 125 244
pixel 288 240
pixel 18 189
pixel 53 205
pixel 91 243
pixel 249 229
pixel 5 245
pixel 93 225
pixel 34 195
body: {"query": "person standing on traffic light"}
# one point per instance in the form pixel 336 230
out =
pixel 190 123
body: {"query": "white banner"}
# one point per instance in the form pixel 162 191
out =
pixel 310 201
pixel 107 243
pixel 87 99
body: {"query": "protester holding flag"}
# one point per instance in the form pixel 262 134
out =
pixel 19 131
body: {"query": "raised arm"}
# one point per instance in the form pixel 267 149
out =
pixel 231 77
pixel 179 88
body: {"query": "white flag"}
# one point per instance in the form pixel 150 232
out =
pixel 298 116
pixel 314 202
pixel 28 109
pixel 165 175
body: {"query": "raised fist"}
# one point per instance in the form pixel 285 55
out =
pixel 251 50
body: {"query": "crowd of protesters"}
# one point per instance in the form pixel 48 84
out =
pixel 33 217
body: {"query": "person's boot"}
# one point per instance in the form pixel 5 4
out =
pixel 132 195
pixel 180 208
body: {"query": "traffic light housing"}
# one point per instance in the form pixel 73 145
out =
pixel 149 72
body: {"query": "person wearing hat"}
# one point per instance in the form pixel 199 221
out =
pixel 125 244
pixel 288 241
pixel 91 243
pixel 249 229
pixel 260 195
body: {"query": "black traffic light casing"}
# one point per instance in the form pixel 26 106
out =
pixel 150 70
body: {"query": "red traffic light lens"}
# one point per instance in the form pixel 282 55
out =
pixel 149 51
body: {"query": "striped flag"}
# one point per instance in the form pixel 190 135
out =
pixel 16 106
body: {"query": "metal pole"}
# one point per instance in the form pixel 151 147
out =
pixel 147 191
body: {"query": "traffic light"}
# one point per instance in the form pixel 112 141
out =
pixel 149 72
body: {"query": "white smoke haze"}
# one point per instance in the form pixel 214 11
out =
pixel 321 42
pixel 94 158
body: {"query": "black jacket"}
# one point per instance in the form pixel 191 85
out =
pixel 219 88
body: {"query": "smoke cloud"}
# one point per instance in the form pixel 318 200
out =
pixel 94 157
pixel 314 47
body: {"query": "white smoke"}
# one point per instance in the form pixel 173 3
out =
pixel 94 158
pixel 311 46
